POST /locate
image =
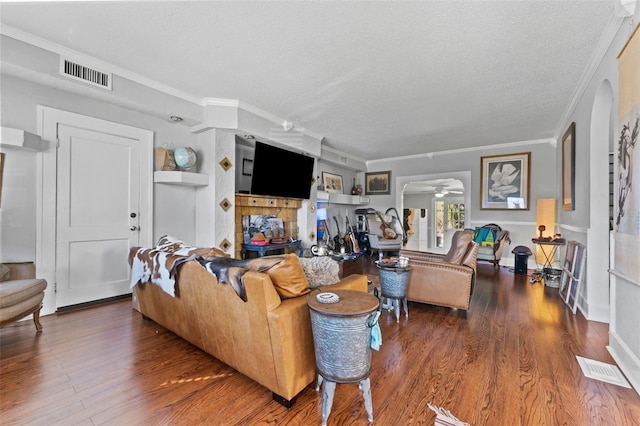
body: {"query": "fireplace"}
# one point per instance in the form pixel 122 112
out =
pixel 285 209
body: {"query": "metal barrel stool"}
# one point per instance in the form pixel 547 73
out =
pixel 393 285
pixel 342 339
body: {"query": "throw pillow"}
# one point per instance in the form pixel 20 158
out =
pixel 320 270
pixel 485 236
pixel 288 277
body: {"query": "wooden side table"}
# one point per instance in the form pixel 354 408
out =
pixel 342 343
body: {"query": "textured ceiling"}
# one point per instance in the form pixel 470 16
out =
pixel 376 79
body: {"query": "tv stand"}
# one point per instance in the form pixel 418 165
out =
pixel 265 249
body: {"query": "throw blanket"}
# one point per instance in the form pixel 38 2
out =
pixel 160 264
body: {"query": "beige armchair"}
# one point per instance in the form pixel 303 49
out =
pixel 444 279
pixel 21 293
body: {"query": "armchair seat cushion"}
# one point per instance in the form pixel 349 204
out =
pixel 21 293
pixel 17 291
pixel 486 253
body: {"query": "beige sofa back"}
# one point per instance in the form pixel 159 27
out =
pixel 265 338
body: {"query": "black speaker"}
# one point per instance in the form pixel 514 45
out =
pixel 363 242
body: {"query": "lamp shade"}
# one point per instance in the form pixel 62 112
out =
pixel 545 222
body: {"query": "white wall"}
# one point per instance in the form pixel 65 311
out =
pixel 174 207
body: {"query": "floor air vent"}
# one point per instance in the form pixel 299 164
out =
pixel 602 371
pixel 83 73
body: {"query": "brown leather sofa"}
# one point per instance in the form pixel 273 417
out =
pixel 21 293
pixel 267 338
pixel 444 280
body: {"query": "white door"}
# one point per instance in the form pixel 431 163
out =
pixel 454 213
pixel 98 214
pixel 423 229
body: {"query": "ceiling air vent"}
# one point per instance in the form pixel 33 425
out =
pixel 84 73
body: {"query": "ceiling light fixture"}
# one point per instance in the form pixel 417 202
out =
pixel 439 195
pixel 176 118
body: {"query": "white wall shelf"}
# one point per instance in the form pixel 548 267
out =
pixel 181 178
pixel 22 139
pixel 333 198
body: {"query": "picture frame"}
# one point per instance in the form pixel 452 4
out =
pixel 1 173
pixel 332 183
pixel 247 167
pixel 505 181
pixel 377 183
pixel 575 279
pixel 567 271
pixel 569 168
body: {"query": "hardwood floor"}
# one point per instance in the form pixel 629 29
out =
pixel 510 362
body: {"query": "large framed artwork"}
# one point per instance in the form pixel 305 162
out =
pixel 569 168
pixel 504 181
pixel 377 183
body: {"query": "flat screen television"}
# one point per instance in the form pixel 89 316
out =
pixel 281 173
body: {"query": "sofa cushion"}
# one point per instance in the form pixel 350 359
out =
pixel 288 277
pixel 320 270
pixel 5 272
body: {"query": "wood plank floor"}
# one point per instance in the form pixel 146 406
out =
pixel 510 362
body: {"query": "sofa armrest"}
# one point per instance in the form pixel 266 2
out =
pixel 292 338
pixel 440 283
pixel 422 255
pixel 21 270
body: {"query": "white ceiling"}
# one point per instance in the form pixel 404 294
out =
pixel 376 79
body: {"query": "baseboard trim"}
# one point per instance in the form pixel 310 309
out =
pixel 64 309
pixel 629 364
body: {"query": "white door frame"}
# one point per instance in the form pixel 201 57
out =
pixel 48 120
pixel 464 176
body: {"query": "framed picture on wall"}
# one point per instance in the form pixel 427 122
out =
pixel 332 182
pixel 568 168
pixel 504 181
pixel 377 183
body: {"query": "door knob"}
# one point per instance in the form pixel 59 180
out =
pixel 133 228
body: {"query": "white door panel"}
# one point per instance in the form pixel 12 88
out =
pixel 98 196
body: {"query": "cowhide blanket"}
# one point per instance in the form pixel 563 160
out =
pixel 160 264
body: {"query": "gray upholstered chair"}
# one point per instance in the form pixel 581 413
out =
pixel 21 293
pixel 377 241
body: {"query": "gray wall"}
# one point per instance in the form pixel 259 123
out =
pixel 521 223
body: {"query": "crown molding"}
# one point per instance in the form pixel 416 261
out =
pixel 430 155
pixel 609 33
pixel 93 62
pixel 90 61
pixel 343 154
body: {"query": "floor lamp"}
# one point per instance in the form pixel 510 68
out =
pixel 545 223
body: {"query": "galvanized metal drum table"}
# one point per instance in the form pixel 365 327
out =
pixel 393 285
pixel 342 342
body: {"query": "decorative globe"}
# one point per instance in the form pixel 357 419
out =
pixel 185 157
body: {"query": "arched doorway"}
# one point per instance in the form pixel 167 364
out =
pixel 453 197
pixel 601 140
